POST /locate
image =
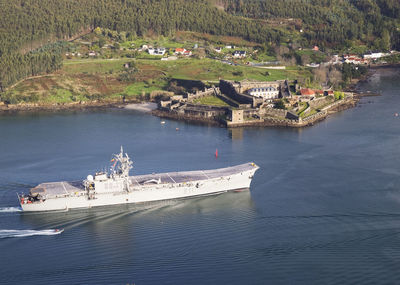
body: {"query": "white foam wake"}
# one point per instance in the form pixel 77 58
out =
pixel 10 209
pixel 27 233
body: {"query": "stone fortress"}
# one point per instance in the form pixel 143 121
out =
pixel 246 105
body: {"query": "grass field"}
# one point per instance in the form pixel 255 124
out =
pixel 211 100
pixel 75 66
pixel 213 70
pixel 99 79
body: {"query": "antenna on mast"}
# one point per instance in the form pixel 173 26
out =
pixel 123 163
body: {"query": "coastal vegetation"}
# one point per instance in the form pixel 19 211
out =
pixel 34 34
pixel 109 80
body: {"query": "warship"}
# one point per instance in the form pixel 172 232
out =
pixel 117 187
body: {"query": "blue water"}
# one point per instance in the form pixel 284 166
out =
pixel 324 208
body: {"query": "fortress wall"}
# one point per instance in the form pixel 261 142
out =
pixel 267 111
pixel 230 89
pixel 200 94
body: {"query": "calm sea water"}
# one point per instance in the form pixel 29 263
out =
pixel 323 209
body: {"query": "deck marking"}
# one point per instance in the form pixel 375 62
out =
pixel 205 174
pixel 171 178
pixel 65 189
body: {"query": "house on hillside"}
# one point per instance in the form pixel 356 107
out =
pixel 183 51
pixel 239 54
pixel 306 94
pixel 143 48
pixel 180 50
pixel 218 49
pixel 346 56
pixel 156 51
pixel 356 60
pixel 187 53
pixel 319 92
pixel 374 55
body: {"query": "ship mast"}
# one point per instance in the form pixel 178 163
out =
pixel 123 164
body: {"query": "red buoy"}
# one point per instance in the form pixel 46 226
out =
pixel 216 153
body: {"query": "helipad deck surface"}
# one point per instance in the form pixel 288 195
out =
pixel 187 176
pixel 66 188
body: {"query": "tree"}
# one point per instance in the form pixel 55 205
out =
pixel 385 42
pixel 97 31
pixel 101 42
pixel 320 74
pixel 279 104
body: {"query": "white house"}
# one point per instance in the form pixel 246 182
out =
pixel 239 54
pixel 183 51
pixel 373 55
pixel 187 53
pixel 267 93
pixel 156 51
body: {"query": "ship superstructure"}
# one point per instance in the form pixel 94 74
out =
pixel 117 187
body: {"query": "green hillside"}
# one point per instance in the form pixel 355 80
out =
pixel 30 29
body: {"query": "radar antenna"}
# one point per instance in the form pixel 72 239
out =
pixel 122 164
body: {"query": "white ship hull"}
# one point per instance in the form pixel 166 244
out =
pixel 234 178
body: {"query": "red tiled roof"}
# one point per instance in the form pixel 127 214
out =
pixel 179 50
pixel 307 91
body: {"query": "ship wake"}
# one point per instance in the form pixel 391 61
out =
pixel 28 233
pixel 10 209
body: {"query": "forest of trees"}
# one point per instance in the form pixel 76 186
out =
pixel 26 25
pixel 332 22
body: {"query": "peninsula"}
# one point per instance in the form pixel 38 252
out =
pixel 280 68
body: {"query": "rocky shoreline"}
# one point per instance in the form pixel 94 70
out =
pixel 79 106
pixel 268 122
pixel 187 118
pixel 137 105
pixel 149 107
